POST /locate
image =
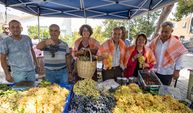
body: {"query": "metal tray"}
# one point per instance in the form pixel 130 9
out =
pixel 142 73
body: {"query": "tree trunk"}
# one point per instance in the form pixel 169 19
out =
pixel 163 16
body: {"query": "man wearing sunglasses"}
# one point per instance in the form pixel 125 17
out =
pixel 5 32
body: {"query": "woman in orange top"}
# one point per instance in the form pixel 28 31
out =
pixel 138 57
pixel 85 41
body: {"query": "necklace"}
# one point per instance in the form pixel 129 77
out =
pixel 85 43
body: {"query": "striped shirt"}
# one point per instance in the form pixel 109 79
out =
pixel 58 61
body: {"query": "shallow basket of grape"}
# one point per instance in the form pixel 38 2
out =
pixel 149 80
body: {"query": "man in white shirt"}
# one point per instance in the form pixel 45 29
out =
pixel 112 53
pixel 168 52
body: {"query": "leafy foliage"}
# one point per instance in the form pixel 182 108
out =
pixel 33 32
pixel 184 8
pixel 98 34
pixel 70 39
pixel 111 23
pixel 141 24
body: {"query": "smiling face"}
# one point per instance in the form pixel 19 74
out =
pixel 54 31
pixel 165 33
pixel 15 28
pixel 85 33
pixel 141 41
pixel 116 34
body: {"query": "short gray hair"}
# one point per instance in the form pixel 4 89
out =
pixel 167 23
pixel 54 25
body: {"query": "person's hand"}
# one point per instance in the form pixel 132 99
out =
pixel 80 52
pixel 70 77
pixel 9 78
pixel 145 65
pixel 39 70
pixel 49 42
pixel 176 74
pixel 136 56
pixel 105 55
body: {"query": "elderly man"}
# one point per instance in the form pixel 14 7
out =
pixel 112 53
pixel 21 57
pixel 57 57
pixel 168 52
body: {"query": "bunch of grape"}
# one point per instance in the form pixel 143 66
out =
pixel 141 61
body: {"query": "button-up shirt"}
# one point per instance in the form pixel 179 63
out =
pixel 116 56
pixel 160 50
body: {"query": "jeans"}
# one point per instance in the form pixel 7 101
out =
pixel 57 76
pixel 19 76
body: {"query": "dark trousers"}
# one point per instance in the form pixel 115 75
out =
pixel 112 73
pixel 165 79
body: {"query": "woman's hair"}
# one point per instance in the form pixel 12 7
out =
pixel 143 35
pixel 85 26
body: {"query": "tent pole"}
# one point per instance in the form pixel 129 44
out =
pixel 5 14
pixel 128 29
pixel 39 28
pixel 85 21
pixel 38 24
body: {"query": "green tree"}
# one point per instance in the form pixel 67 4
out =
pixel 109 24
pixel 70 39
pixel 33 32
pixel 163 16
pixel 141 24
pixel 98 34
pixel 184 8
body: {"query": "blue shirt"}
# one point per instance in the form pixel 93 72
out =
pixel 19 53
pixel 127 42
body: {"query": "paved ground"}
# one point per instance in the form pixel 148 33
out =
pixel 182 83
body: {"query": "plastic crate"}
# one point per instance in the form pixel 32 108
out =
pixel 67 86
pixel 149 87
pixel 68 99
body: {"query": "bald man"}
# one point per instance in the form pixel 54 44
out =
pixel 18 50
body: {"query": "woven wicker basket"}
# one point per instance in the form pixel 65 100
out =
pixel 86 69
